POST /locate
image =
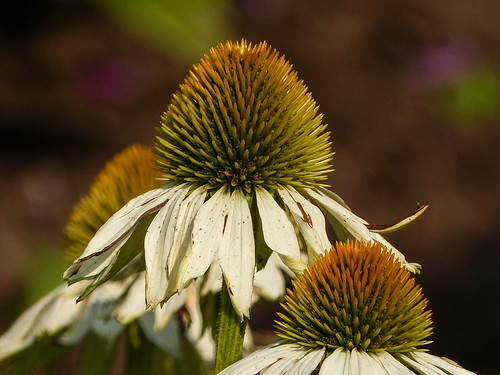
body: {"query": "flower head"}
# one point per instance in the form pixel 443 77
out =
pixel 242 120
pixel 244 152
pixel 356 296
pixel 129 174
pixel 354 309
pixel 120 301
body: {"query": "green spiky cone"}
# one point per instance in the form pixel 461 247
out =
pixel 356 296
pixel 243 119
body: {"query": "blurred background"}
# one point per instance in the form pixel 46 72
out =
pixel 411 91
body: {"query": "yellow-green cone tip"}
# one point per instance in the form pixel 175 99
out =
pixel 356 296
pixel 243 119
pixel 126 176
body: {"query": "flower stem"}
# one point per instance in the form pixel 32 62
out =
pixel 230 332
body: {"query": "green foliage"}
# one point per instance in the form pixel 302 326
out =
pixel 473 99
pixel 182 29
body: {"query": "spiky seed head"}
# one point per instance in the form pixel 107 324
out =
pixel 243 119
pixel 356 296
pixel 126 176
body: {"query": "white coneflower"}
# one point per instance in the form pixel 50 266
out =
pixel 121 300
pixel 354 311
pixel 244 152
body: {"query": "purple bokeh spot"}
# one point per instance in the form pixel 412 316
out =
pixel 111 81
pixel 440 65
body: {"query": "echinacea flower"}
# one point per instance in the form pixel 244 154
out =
pixel 121 301
pixel 244 152
pixel 354 311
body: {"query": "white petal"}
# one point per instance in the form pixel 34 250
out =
pixel 94 265
pixel 336 363
pixel 193 308
pixel 169 308
pixel 236 253
pixel 205 346
pixel 28 326
pixel 421 367
pixel 207 233
pixel 22 332
pixel 51 314
pixel 412 267
pixel 182 239
pixel 269 282
pixel 309 219
pixel 157 244
pixel 133 305
pixel 102 304
pixel 212 282
pixel 445 364
pixel 298 266
pixel 368 365
pixel 62 312
pixel 308 363
pixel 354 225
pixel 279 233
pixel 391 364
pixel 287 363
pixel 119 226
pixel 260 359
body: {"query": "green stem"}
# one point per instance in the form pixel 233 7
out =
pixel 230 333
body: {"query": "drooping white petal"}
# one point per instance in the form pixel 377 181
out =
pixel 236 253
pixel 269 282
pixel 422 368
pixel 212 281
pixel 298 266
pixel 355 225
pixel 164 313
pixel 344 220
pixel 61 312
pixel 192 304
pixel 22 333
pixel 445 364
pixel 336 363
pixel 308 363
pixel 391 364
pixel 369 366
pixel 309 219
pixel 51 314
pixel 101 305
pixel 133 305
pixel 260 359
pixel 279 233
pixel 116 228
pixel 182 240
pixel 157 244
pixel 412 267
pixel 96 265
pixel 31 324
pixel 205 345
pixel 353 362
pixel 206 236
pixel 287 363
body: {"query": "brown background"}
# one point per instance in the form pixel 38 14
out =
pixel 78 84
